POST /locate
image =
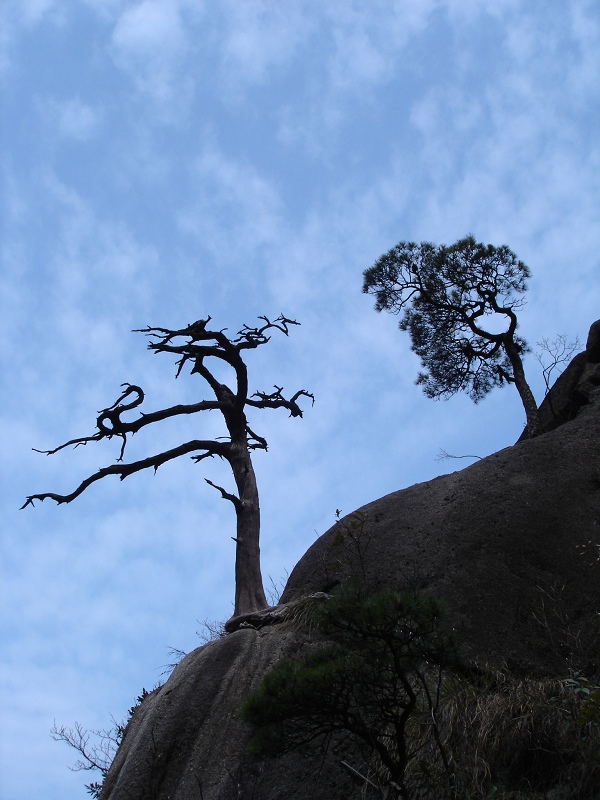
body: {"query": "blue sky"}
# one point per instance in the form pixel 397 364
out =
pixel 168 159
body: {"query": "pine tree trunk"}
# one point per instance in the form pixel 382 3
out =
pixel 534 427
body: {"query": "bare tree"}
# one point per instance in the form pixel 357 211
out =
pixel 555 355
pixel 197 344
pixel 95 756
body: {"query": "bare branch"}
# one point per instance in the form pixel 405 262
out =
pixel 195 331
pixel 224 494
pixel 201 457
pixel 97 756
pixel 253 337
pixel 135 425
pixel 255 442
pixel 111 414
pixel 555 355
pixel 443 456
pixel 303 393
pixel 124 470
pixel 83 440
pixel 277 400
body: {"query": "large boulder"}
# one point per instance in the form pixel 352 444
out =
pixel 508 543
pixel 187 742
pixel 503 542
pixel 574 388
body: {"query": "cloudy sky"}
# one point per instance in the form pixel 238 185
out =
pixel 168 159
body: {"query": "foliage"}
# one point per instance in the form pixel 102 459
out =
pixel 523 735
pixel 588 693
pixel 380 663
pixel 385 674
pixel 349 545
pixel 459 305
pixel 213 630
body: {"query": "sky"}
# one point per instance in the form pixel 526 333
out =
pixel 166 160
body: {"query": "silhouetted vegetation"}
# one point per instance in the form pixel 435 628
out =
pixel 97 748
pixel 196 345
pixel 385 673
pixel 459 305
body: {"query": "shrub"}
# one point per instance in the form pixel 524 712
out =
pixel 385 673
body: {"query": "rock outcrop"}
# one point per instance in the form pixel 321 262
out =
pixel 575 388
pixel 503 542
pixel 186 742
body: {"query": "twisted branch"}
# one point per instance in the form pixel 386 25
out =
pixel 277 400
pixel 226 495
pixel 124 470
pixel 201 343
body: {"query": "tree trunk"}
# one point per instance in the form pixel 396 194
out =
pixel 534 427
pixel 249 592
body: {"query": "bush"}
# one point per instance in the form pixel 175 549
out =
pixel 379 664
pixel 385 671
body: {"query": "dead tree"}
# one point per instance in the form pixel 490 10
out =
pixel 197 344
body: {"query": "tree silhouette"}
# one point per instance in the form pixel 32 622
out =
pixel 375 674
pixel 459 305
pixel 197 344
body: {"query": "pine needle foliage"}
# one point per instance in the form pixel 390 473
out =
pixel 416 721
pixel 378 665
pixel 459 304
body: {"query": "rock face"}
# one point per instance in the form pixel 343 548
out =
pixel 500 541
pixel 504 542
pixel 186 742
pixel 575 387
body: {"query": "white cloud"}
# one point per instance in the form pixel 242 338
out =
pixel 151 42
pixel 72 119
pixel 150 29
pixel 261 38
pixel 470 11
pixel 17 16
pixel 368 42
pixel 88 296
pixel 518 125
pixel 31 12
pixel 77 120
pixel 361 50
pixel 585 27
pixel 235 209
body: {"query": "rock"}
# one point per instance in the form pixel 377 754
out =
pixel 573 388
pixel 496 541
pixel 592 346
pixel 186 741
pixel 504 543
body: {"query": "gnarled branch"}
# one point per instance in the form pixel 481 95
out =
pixel 253 337
pixel 277 400
pixel 121 428
pixel 124 470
